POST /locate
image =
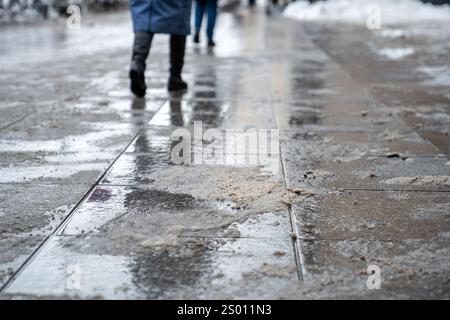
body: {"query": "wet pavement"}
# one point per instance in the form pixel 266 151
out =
pixel 91 205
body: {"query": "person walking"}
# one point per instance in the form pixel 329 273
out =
pixel 159 16
pixel 210 7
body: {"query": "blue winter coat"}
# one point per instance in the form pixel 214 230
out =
pixel 162 16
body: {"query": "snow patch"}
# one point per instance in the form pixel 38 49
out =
pixel 395 53
pixel 358 11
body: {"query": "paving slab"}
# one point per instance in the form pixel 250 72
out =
pixel 30 213
pixel 387 173
pixel 14 112
pixel 410 269
pixel 53 168
pixel 198 267
pixel 378 215
pixel 216 114
pixel 71 147
pixel 346 146
pixel 406 85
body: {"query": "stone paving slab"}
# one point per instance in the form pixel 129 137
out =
pixel 423 102
pixel 380 215
pixel 154 169
pixel 346 146
pixel 80 139
pixel 123 206
pixel 53 148
pixel 319 121
pixel 30 213
pixel 215 113
pixel 53 127
pixel 162 139
pixel 53 168
pixel 13 112
pixel 127 111
pixel 161 209
pixel 439 139
pixel 409 269
pixel 193 267
pixel 377 173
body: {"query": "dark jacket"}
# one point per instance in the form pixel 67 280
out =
pixel 162 16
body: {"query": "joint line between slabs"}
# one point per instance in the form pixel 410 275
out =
pixel 299 258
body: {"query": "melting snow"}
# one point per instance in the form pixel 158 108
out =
pixel 358 11
pixel 396 53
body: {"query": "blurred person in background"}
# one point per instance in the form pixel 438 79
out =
pixel 159 16
pixel 210 8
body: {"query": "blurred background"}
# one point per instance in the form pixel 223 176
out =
pixel 19 11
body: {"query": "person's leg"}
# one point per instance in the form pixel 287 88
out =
pixel 199 12
pixel 141 48
pixel 211 9
pixel 177 50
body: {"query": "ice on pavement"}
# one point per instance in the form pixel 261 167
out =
pixel 437 75
pixel 396 53
pixel 393 33
pixel 358 11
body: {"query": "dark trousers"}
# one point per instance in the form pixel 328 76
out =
pixel 210 7
pixel 141 49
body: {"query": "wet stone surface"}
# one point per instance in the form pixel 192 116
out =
pixel 380 215
pixel 185 267
pixel 338 268
pixel 29 213
pixel 90 196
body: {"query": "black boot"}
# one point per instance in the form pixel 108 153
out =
pixel 211 43
pixel 141 48
pixel 196 37
pixel 177 48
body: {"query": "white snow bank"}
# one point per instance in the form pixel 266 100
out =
pixel 358 11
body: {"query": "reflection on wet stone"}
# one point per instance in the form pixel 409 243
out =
pixel 158 273
pixel 100 195
pixel 138 104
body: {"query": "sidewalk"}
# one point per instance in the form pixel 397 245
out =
pixel 92 207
